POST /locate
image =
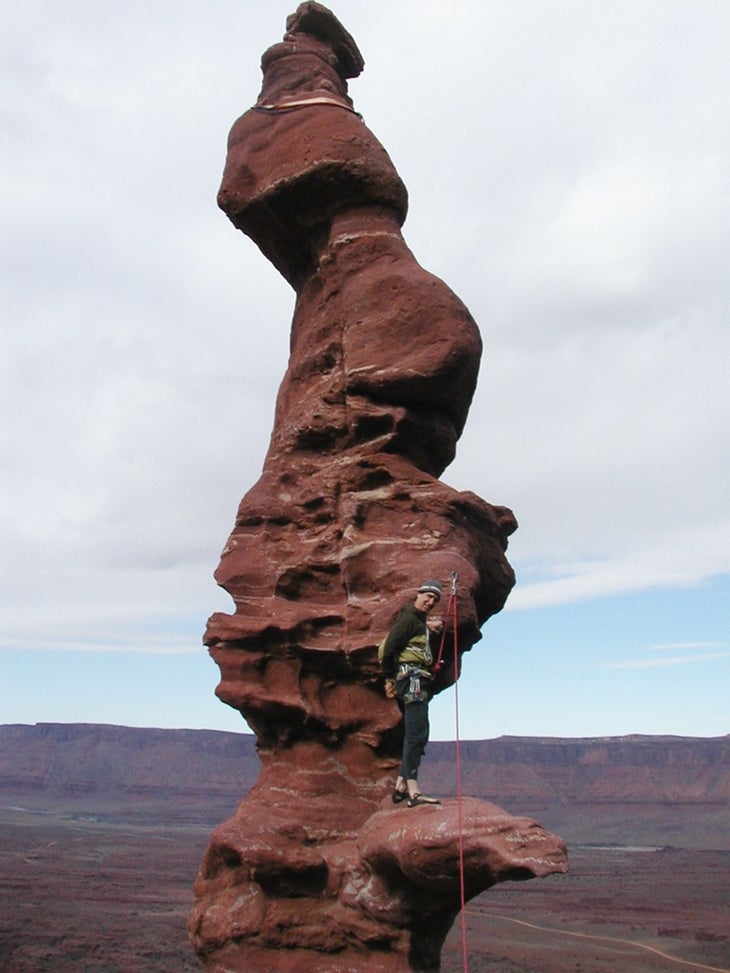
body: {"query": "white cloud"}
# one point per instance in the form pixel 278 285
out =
pixel 683 646
pixel 663 656
pixel 667 661
pixel 568 172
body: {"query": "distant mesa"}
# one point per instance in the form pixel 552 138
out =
pixel 645 790
pixel 347 516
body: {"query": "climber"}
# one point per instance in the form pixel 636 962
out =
pixel 406 664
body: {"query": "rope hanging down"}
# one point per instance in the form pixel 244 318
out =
pixel 451 615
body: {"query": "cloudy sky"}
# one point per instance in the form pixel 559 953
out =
pixel 568 166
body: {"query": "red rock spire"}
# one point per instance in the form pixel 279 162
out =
pixel 347 518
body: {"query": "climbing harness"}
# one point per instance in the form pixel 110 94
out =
pixel 417 690
pixel 451 613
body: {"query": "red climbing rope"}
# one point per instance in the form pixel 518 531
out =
pixel 451 614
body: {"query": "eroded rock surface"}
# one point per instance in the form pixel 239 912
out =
pixel 312 872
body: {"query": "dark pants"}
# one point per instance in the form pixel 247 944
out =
pixel 415 722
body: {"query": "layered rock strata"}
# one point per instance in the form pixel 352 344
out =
pixel 316 869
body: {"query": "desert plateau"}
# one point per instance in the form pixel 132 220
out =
pixel 98 862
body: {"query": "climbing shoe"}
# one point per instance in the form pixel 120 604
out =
pixel 422 799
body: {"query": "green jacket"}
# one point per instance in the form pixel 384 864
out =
pixel 407 641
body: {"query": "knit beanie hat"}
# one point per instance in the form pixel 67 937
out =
pixel 430 587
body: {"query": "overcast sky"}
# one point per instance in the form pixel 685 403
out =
pixel 568 168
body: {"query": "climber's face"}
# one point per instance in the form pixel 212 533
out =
pixel 425 601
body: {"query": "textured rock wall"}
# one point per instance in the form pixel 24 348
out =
pixel 348 517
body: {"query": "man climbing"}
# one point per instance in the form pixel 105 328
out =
pixel 406 664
